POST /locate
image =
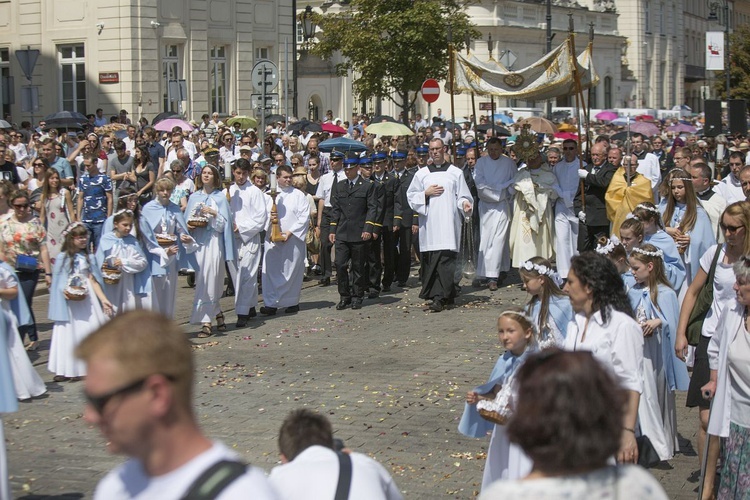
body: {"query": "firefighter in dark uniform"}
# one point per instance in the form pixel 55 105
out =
pixel 405 220
pixel 324 191
pixel 353 224
pixel 382 262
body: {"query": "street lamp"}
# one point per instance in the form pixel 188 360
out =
pixel 492 97
pixel 308 24
pixel 713 16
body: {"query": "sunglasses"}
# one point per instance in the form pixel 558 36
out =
pixel 730 229
pixel 98 403
pixel 40 165
pixel 569 149
pixel 21 206
pixel 295 163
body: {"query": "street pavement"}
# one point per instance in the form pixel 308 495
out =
pixel 391 377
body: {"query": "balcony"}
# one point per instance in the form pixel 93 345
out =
pixel 694 73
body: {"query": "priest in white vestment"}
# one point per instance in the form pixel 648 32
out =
pixel 284 262
pixel 566 220
pixel 248 204
pixel 494 179
pixel 439 194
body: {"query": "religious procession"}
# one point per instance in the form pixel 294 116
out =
pixel 630 241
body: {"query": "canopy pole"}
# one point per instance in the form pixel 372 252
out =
pixel 579 101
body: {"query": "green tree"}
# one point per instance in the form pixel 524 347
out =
pixel 392 46
pixel 739 66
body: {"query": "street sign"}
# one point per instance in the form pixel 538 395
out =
pixel 256 101
pixel 265 75
pixel 27 60
pixel 508 58
pixel 430 90
pixel 485 106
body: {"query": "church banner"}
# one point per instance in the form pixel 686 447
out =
pixel 715 50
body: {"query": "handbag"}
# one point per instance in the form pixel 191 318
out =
pixel 311 240
pixel 702 303
pixel 647 456
pixel 26 263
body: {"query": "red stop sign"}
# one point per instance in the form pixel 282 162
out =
pixel 430 90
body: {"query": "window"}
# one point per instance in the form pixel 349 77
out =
pixel 6 87
pixel 661 19
pixel 262 53
pixel 72 78
pixel 592 98
pixel 647 16
pixel 218 79
pixel 170 78
pixel 300 34
pixel 608 92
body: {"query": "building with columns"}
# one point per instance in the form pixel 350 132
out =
pixel 146 57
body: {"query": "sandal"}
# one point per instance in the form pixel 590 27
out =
pixel 205 332
pixel 33 345
pixel 220 325
pixel 60 378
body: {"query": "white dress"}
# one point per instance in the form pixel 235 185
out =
pixel 123 295
pixel 494 181
pixel 84 316
pixel 209 278
pixel 26 380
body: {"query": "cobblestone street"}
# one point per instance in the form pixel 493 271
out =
pixel 391 378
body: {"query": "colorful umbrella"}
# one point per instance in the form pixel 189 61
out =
pixel 168 124
pixel 645 128
pixel 645 118
pixel 567 127
pixel 566 135
pixel 502 117
pixel 389 129
pixel 606 116
pixel 334 129
pixel 342 144
pixel 682 128
pixel 623 120
pixel 245 122
pixel 539 125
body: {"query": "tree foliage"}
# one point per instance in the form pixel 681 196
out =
pixel 739 67
pixel 392 46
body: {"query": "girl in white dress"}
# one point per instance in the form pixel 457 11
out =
pixel 27 382
pixel 74 317
pixel 120 257
pixel 549 307
pixel 505 460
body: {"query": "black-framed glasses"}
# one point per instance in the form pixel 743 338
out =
pixel 98 403
pixel 40 164
pixel 730 229
pixel 21 206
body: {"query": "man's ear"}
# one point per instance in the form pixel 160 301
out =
pixel 283 458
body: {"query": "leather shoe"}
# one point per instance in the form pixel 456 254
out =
pixel 492 285
pixel 343 304
pixel 242 320
pixel 357 304
pixel 292 309
pixel 436 306
pixel 373 294
pixel 386 289
pixel 402 284
pixel 268 311
pixel 252 313
pixel 324 282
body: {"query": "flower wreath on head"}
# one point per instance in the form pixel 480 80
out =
pixel 648 209
pixel 631 215
pixel 543 270
pixel 123 211
pixel 70 227
pixel 657 253
pixel 613 242
pixel 525 316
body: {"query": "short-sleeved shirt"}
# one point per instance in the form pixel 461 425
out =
pixel 723 289
pixel 63 167
pixel 156 151
pixel 94 191
pixel 182 190
pixel 22 238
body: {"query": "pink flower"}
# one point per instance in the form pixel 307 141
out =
pixel 52 215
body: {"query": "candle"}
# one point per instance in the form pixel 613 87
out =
pixel 273 182
pixel 227 170
pixel 720 153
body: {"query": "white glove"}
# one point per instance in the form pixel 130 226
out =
pixel 582 173
pixel 582 215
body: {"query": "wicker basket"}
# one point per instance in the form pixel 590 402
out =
pixel 165 242
pixel 111 275
pixel 493 416
pixel 197 222
pixel 75 293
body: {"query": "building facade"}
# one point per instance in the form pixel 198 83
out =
pixel 150 56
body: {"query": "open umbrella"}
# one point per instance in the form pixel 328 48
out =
pixel 334 129
pixel 388 128
pixel 621 136
pixel 275 118
pixel 539 125
pixel 567 127
pixel 4 124
pixel 163 116
pixel 502 117
pixel 65 119
pixel 245 122
pixel 623 120
pixel 500 131
pixel 645 118
pixel 383 118
pixel 682 128
pixel 304 124
pixel 170 123
pixel 342 144
pixel 606 116
pixel 566 135
pixel 645 128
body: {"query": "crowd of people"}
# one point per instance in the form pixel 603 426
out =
pixel 635 250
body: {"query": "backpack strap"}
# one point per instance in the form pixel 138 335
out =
pixel 345 476
pixel 215 479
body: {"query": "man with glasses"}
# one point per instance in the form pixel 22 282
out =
pixel 681 157
pixel 648 163
pixel 313 150
pixel 228 149
pixel 666 163
pixel 139 393
pixel 442 188
pixel 18 147
pixel 730 186
pixel 711 201
pixel 326 184
pixel 596 178
pixel 566 219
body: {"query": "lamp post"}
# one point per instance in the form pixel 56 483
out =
pixel 308 32
pixel 713 16
pixel 492 97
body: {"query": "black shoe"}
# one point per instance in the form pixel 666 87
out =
pixel 252 313
pixel 306 278
pixel 343 304
pixel 436 306
pixel 268 311
pixel 292 309
pixel 357 304
pixel 324 282
pixel 372 295
pixel 386 289
pixel 401 284
pixel 316 270
pixel 242 320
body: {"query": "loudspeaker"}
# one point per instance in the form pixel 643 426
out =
pixel 738 116
pixel 713 118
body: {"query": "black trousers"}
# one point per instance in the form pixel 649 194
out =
pixel 381 260
pixel 438 273
pixel 356 253
pixel 28 280
pixel 402 252
pixel 325 263
pixel 587 236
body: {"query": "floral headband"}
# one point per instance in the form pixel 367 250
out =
pixel 70 227
pixel 657 253
pixel 525 316
pixel 543 270
pixel 123 211
pixel 613 242
pixel 648 209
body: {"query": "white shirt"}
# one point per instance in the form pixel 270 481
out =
pixel 731 189
pixel 325 185
pixel 649 167
pixel 494 179
pixel 314 473
pixel 567 178
pixel 617 345
pixel 129 480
